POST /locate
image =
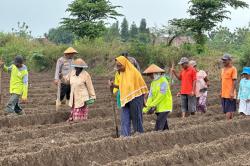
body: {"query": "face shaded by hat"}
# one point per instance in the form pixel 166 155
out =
pixel 70 52
pixel 226 57
pixel 184 62
pixel 18 61
pixel 192 63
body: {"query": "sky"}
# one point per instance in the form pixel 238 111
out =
pixel 41 15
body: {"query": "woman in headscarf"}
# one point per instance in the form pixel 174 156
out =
pixel 82 91
pixel 132 89
pixel 160 97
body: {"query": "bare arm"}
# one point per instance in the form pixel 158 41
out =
pixel 176 75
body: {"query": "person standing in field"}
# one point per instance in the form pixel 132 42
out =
pixel 201 88
pixel 244 92
pixel 82 90
pixel 18 85
pixel 132 90
pixel 187 77
pixel 160 98
pixel 228 86
pixel 63 66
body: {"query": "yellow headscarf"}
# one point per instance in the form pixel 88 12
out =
pixel 131 83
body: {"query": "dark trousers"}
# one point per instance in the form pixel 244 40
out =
pixel 132 112
pixel 161 121
pixel 13 104
pixel 65 91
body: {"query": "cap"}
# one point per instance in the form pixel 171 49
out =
pixel 192 63
pixel 226 56
pixel 183 60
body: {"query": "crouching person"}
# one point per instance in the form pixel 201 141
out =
pixel 18 85
pixel 160 98
pixel 82 91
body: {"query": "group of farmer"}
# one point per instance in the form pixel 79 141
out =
pixel 131 91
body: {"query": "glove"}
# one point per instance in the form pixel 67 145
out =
pixel 89 102
pixel 152 110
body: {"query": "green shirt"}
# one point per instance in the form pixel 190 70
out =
pixel 159 96
pixel 18 80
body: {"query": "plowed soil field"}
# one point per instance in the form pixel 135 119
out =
pixel 42 137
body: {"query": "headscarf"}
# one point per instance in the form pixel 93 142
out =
pixel 131 83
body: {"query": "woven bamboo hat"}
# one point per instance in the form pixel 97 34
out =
pixel 70 50
pixel 153 69
pixel 79 63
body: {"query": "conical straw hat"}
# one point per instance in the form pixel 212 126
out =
pixel 79 63
pixel 153 69
pixel 70 50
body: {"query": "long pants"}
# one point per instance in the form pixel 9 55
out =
pixel 161 121
pixel 65 91
pixel 13 104
pixel 132 112
pixel 188 103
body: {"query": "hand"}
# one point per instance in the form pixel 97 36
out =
pixel 219 95
pixel 152 110
pixel 232 95
pixel 192 93
pixel 56 82
pixel 178 94
pixel 238 101
pixel 24 101
pixel 172 70
pixel 60 76
pixel 248 100
pixel 111 84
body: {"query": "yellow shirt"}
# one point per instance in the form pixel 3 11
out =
pixel 116 82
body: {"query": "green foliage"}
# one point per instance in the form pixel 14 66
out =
pixel 60 35
pixel 205 15
pixel 143 26
pixel 39 61
pixel 147 54
pixel 87 17
pixel 124 30
pixel 112 32
pixel 133 31
pixel 245 56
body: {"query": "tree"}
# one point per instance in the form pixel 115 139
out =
pixel 22 30
pixel 133 31
pixel 87 17
pixel 60 35
pixel 205 14
pixel 143 26
pixel 124 30
pixel 112 32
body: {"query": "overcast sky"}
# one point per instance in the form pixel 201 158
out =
pixel 41 15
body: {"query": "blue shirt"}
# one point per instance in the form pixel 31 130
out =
pixel 244 90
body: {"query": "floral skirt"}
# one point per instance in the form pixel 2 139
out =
pixel 79 114
pixel 201 103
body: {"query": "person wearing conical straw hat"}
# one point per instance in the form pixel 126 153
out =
pixel 63 66
pixel 132 89
pixel 160 98
pixel 82 91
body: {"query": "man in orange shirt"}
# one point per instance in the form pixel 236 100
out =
pixel 228 86
pixel 187 77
